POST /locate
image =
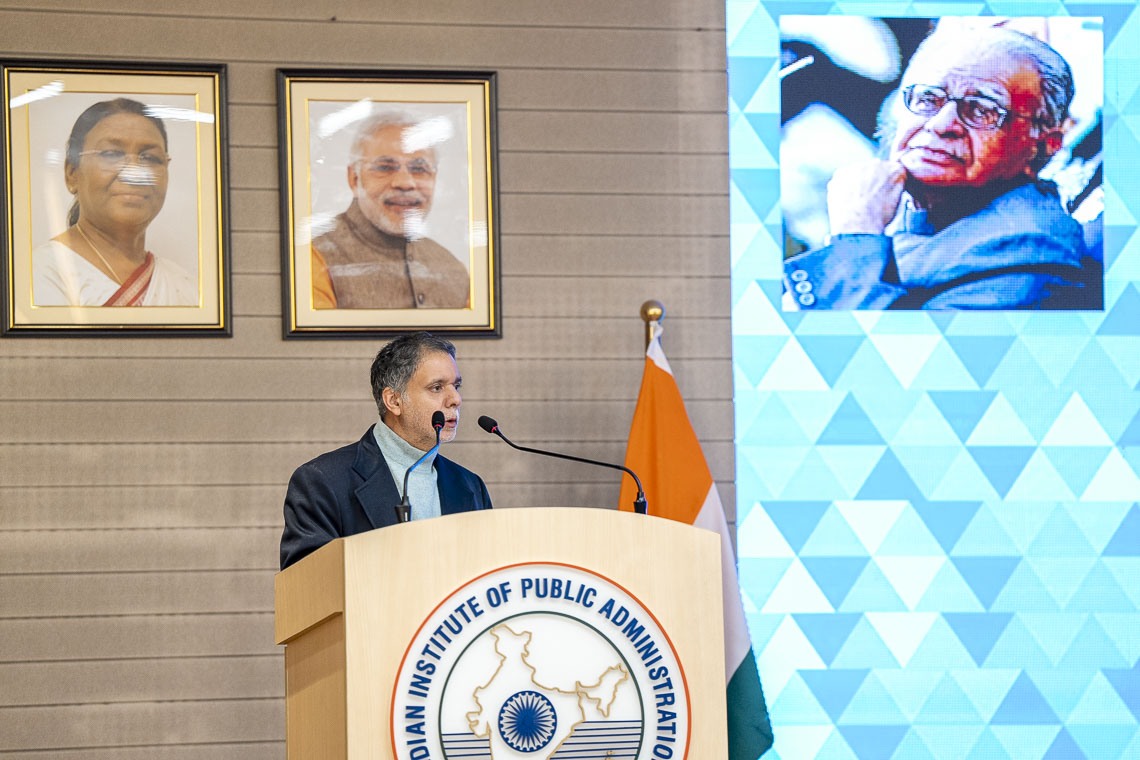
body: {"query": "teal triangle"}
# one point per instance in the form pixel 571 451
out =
pixel 753 354
pixel 872 705
pixel 985 536
pixel 978 631
pixel 1100 741
pixel 1001 464
pixel 941 650
pixel 835 575
pixel 948 704
pixel 980 354
pixel 864 648
pixel 767 128
pixel 1026 592
pixel 1064 748
pixel 1126 681
pixel 827 632
pixel 1017 648
pixel 1115 18
pixel 874 742
pixel 833 537
pixel 1125 542
pixel 834 688
pixel 761 576
pixel 1025 741
pixel 915 747
pixel 746 76
pixel 872 592
pixel 946 520
pixel 963 409
pixel 889 480
pixel 948 593
pixel 986 576
pixel 1024 705
pixel 797 706
pixel 1077 465
pixel 1100 593
pixel 951 742
pixel 1060 537
pixel 757 187
pixel 796 519
pixel 1131 434
pixel 830 353
pixel 850 426
pixel 988 748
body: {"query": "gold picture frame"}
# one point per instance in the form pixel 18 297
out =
pixel 53 284
pixel 380 235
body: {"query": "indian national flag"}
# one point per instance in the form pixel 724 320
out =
pixel 665 453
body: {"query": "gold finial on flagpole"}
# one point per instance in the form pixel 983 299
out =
pixel 652 312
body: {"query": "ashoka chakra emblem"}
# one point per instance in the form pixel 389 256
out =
pixel 527 721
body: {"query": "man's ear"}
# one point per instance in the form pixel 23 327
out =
pixel 353 177
pixel 391 401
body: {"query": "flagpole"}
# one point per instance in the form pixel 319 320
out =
pixel 652 312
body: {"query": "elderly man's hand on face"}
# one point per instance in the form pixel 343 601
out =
pixel 863 197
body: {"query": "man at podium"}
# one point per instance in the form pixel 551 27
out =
pixel 356 488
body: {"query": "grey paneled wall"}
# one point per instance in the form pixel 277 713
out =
pixel 141 480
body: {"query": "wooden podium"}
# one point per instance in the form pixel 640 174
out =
pixel 354 617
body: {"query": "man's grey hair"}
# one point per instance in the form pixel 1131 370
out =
pixel 395 364
pixel 1053 72
pixel 373 124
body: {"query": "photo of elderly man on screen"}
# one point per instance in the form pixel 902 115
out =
pixel 941 164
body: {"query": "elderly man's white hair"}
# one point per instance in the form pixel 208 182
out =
pixel 418 134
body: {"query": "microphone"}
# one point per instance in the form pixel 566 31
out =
pixel 404 509
pixel 639 504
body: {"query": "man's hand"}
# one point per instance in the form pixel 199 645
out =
pixel 863 197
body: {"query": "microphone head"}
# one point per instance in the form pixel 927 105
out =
pixel 438 420
pixel 488 424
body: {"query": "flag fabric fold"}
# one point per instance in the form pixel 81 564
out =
pixel 663 449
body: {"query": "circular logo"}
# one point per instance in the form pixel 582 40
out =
pixel 540 660
pixel 527 721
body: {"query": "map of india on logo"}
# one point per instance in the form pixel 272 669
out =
pixel 543 716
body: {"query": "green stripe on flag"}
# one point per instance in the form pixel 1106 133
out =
pixel 749 728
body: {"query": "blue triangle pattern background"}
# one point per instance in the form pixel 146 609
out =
pixel 938 527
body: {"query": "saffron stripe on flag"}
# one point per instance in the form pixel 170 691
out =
pixel 664 450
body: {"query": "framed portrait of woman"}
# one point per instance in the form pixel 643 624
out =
pixel 388 202
pixel 115 206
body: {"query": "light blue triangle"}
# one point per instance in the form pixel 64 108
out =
pixel 1026 740
pixel 1060 537
pixel 874 742
pixel 872 705
pixel 986 576
pixel 796 705
pixel 947 520
pixel 827 632
pixel 1076 464
pixel 1101 741
pixel 797 520
pixel 985 536
pixel 835 576
pixel 948 592
pixel 833 537
pixel 940 651
pixel 980 354
pixel 1025 592
pixel 864 648
pixel 1017 648
pixel 1101 705
pixel 948 742
pixel 987 689
pixel 872 591
pixel 1002 465
pixel 1092 643
pixel 963 409
pixel 910 537
pixel 834 688
pixel 988 747
pixel 1100 593
pixel 978 632
pixel 850 426
pixel 948 704
pixel 1025 706
pixel 1125 542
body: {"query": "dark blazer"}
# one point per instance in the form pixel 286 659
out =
pixel 351 490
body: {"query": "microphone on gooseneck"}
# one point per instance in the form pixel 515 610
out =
pixel 639 504
pixel 404 509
